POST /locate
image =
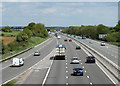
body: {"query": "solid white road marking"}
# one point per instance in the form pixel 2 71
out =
pixel 66 77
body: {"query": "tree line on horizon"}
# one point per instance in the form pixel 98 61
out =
pixel 113 33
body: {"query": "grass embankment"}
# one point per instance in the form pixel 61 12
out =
pixel 13 33
pixel 115 43
pixel 10 83
pixel 33 41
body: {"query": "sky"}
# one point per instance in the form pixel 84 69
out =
pixel 59 13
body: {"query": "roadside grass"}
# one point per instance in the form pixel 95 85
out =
pixel 33 42
pixel 115 43
pixel 13 33
pixel 10 83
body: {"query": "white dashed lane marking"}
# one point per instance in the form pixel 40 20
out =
pixel 66 77
pixel 88 77
pixel 66 83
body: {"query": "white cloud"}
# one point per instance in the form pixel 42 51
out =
pixel 48 10
pixel 79 11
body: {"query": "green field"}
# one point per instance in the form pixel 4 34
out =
pixel 13 33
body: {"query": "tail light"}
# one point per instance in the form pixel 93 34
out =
pixel 88 59
pixel 93 59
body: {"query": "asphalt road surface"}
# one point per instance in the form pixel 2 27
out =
pixel 109 51
pixel 61 70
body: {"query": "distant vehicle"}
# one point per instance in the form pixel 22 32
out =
pixel 78 37
pixel 60 52
pixel 83 36
pixel 78 71
pixel 90 42
pixel 65 39
pixel 58 37
pixel 70 40
pixel 75 60
pixel 90 59
pixel 17 62
pixel 78 47
pixel 102 44
pixel 74 36
pixel 37 53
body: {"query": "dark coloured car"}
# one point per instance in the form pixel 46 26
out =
pixel 78 47
pixel 65 39
pixel 70 40
pixel 90 59
pixel 78 71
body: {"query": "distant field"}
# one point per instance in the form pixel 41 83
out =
pixel 13 33
pixel 8 40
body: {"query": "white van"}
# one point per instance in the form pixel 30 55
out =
pixel 17 62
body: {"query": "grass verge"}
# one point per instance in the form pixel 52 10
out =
pixel 13 33
pixel 10 83
pixel 33 42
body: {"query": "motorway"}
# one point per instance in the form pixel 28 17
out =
pixel 60 70
pixel 109 51
pixel 10 72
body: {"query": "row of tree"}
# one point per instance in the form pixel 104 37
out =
pixel 113 33
pixel 23 38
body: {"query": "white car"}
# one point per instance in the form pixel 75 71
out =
pixel 58 37
pixel 37 53
pixel 102 43
pixel 75 60
pixel 17 62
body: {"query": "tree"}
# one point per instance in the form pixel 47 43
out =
pixel 22 37
pixel 6 29
pixel 117 27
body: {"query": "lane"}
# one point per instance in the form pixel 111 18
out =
pixel 28 53
pixel 57 72
pixel 61 69
pixel 71 52
pixel 92 70
pixel 11 72
pixel 110 51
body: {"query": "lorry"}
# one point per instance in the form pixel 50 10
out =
pixel 60 52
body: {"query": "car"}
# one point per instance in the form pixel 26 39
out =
pixel 83 37
pixel 78 37
pixel 58 37
pixel 90 59
pixel 75 60
pixel 65 39
pixel 37 53
pixel 78 71
pixel 70 40
pixel 17 62
pixel 78 47
pixel 102 44
pixel 90 42
pixel 74 36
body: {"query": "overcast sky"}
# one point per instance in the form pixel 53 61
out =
pixel 59 13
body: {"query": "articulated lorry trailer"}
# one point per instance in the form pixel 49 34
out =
pixel 60 52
